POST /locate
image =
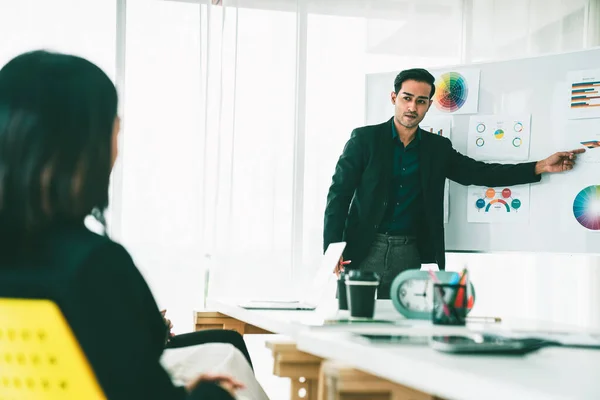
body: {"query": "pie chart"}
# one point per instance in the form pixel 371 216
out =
pixel 451 92
pixel 498 133
pixel 586 207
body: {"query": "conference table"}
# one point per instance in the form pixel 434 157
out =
pixel 328 359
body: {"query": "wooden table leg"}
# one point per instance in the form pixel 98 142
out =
pixel 302 389
pixel 215 320
pixel 302 368
pixel 345 383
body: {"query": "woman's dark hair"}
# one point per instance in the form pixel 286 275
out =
pixel 56 122
pixel 415 74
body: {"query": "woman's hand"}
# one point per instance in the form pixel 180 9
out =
pixel 168 322
pixel 228 383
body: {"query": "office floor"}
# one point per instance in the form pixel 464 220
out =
pixel 276 388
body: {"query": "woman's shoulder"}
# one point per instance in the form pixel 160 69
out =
pixel 75 245
pixel 91 259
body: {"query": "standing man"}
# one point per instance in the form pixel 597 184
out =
pixel 386 198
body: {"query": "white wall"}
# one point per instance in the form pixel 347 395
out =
pixel 561 288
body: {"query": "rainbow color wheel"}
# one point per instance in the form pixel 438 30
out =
pixel 586 208
pixel 451 92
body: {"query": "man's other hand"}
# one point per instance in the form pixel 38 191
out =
pixel 339 268
pixel 558 162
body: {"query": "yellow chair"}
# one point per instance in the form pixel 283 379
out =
pixel 39 356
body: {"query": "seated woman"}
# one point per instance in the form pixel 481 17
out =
pixel 58 143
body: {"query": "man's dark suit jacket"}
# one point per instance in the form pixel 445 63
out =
pixel 359 194
pixel 106 302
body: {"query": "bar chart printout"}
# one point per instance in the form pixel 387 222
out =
pixel 584 91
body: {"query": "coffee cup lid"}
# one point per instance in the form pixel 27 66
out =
pixel 363 276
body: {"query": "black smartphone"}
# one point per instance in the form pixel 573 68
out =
pixel 482 344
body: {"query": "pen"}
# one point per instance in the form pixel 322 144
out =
pixel 484 319
pixel 433 277
pixel 440 293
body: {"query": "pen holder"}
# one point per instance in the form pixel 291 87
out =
pixel 449 304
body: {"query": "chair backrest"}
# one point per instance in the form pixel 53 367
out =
pixel 39 355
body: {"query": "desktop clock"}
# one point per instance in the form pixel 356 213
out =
pixel 412 292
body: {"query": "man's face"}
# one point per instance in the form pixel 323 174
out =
pixel 411 103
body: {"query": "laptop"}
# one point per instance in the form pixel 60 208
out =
pixel 313 293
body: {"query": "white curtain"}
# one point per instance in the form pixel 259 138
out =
pixel 249 166
pixel 158 176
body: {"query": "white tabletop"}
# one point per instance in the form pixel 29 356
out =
pixel 551 373
pixel 292 323
pixel 284 322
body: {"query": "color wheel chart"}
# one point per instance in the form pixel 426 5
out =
pixel 586 208
pixel 584 91
pixel 456 92
pixel 451 92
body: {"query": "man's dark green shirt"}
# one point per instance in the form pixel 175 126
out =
pixel 404 204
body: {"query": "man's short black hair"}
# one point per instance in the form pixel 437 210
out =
pixel 415 74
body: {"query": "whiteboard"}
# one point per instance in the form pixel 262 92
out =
pixel 536 86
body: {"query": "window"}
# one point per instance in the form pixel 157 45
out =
pixel 162 152
pixel 86 29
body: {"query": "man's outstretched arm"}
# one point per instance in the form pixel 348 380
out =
pixel 467 171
